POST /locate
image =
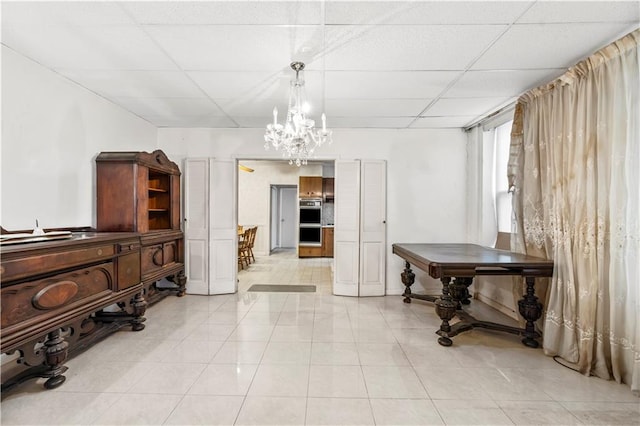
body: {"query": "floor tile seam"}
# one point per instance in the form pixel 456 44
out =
pixel 100 412
pixel 174 409
pixel 497 401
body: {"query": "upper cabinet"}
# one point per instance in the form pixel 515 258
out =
pixel 310 187
pixel 327 190
pixel 137 192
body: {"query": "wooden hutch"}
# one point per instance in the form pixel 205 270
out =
pixel 140 192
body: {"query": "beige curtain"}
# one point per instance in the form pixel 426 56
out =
pixel 574 167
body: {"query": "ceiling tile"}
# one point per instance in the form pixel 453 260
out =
pixel 465 106
pixel 225 12
pixel 442 122
pixel 191 121
pixel 423 12
pixel 63 12
pixel 368 122
pixel 234 48
pixel 87 47
pixel 167 107
pixel 407 47
pixel 389 84
pixel 253 122
pixel 145 84
pixel 500 83
pixel 582 11
pixel 375 107
pixel 530 46
pixel 256 85
pixel 254 108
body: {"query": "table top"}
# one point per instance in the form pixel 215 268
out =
pixel 470 259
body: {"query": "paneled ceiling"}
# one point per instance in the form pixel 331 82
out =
pixel 369 64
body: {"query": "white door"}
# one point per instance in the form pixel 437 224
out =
pixel 274 223
pixel 196 224
pixel 288 217
pixel 347 228
pixel 223 231
pixel 373 184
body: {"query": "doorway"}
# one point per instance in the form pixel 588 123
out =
pixel 284 200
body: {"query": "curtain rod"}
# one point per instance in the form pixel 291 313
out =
pixel 494 116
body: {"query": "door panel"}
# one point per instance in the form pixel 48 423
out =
pixel 288 219
pixel 347 228
pixel 196 213
pixel 223 231
pixel 373 228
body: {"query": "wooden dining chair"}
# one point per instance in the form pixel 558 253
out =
pixel 252 239
pixel 243 244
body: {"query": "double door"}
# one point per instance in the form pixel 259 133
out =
pixel 211 227
pixel 360 228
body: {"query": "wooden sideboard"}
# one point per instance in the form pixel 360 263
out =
pixel 54 295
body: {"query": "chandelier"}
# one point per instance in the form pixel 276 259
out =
pixel 298 138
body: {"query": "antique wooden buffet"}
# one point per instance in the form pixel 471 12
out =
pixel 61 296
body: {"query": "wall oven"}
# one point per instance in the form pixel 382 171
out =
pixel 310 222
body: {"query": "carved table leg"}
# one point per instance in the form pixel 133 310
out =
pixel 531 311
pixel 55 356
pixel 408 278
pixel 460 291
pixel 139 308
pixel 181 281
pixel 446 310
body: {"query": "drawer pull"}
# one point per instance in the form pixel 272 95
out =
pixel 55 295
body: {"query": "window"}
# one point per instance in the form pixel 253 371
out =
pixel 501 194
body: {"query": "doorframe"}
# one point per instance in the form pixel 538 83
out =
pixel 278 209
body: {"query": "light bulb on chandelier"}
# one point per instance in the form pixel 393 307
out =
pixel 298 138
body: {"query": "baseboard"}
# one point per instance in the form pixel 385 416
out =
pixel 496 305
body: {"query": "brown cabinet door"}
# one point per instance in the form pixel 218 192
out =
pixel 309 251
pixel 327 242
pixel 310 187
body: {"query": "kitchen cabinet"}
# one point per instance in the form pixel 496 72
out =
pixel 327 242
pixel 310 187
pixel 309 251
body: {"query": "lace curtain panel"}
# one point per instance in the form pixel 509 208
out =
pixel 574 166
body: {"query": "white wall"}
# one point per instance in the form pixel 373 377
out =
pixel 426 177
pixel 52 130
pixel 254 194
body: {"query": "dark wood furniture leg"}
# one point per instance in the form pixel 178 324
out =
pixel 446 310
pixel 408 278
pixel 531 311
pixel 181 281
pixel 459 289
pixel 55 356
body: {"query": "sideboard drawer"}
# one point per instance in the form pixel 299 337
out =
pixel 14 269
pixel 48 296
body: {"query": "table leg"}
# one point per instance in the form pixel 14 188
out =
pixel 446 310
pixel 531 311
pixel 460 290
pixel 408 278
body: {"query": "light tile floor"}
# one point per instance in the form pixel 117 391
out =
pixel 313 358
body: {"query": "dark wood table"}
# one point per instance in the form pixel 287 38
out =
pixel 456 265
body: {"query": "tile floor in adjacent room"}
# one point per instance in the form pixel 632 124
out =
pixel 316 359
